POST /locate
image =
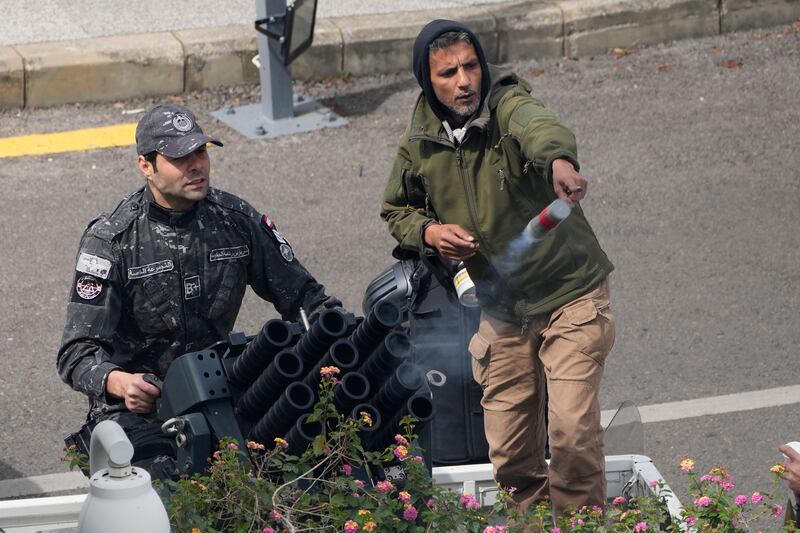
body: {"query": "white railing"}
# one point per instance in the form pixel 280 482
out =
pixel 626 475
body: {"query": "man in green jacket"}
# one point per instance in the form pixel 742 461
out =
pixel 479 159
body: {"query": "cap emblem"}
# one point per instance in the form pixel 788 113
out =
pixel 182 123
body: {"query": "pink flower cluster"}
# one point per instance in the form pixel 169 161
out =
pixel 723 481
pixel 494 529
pixel 703 501
pixel 351 526
pixel 401 452
pixel 404 497
pixel 384 486
pixel 469 501
pixel 410 513
pixel 329 371
pixel 641 526
pixel 400 440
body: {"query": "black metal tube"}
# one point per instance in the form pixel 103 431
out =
pixel 285 368
pixel 274 335
pixel 406 380
pixel 376 325
pixel 396 348
pixel 353 389
pixel 298 398
pixel 419 406
pixel 302 434
pixel 329 326
pixel 342 354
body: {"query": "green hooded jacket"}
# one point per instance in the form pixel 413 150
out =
pixel 492 184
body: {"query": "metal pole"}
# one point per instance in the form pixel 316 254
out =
pixel 276 79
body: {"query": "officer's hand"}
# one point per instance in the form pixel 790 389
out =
pixel 139 395
pixel 451 240
pixel 792 473
pixel 567 183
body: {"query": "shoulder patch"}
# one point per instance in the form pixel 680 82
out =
pixel 269 227
pixel 283 245
pixel 93 265
pixel 88 290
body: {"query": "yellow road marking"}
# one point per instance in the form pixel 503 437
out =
pixel 68 141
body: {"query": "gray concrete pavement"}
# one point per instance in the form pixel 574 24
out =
pixel 59 20
pixel 694 194
pixel 59 53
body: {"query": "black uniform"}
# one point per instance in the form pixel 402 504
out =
pixel 152 284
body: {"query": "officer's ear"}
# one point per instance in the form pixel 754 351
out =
pixel 145 167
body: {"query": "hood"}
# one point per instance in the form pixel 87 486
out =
pixel 422 69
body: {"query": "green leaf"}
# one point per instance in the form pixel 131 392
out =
pixel 319 445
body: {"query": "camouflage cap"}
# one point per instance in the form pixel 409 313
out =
pixel 170 130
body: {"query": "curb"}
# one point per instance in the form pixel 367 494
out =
pixel 155 64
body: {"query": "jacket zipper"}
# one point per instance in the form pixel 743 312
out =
pixel 470 196
pixel 182 287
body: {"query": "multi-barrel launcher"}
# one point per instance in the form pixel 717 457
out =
pixel 265 387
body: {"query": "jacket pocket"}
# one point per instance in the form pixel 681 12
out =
pixel 480 350
pixel 229 294
pixel 162 313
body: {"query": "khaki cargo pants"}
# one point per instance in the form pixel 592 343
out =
pixel 563 354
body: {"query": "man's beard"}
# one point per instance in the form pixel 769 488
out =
pixel 464 111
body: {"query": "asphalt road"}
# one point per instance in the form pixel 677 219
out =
pixel 692 154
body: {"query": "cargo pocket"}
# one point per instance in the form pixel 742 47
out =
pixel 480 350
pixel 593 328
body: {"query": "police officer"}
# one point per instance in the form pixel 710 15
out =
pixel 164 274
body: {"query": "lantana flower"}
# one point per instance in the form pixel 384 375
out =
pixel 687 465
pixel 384 486
pixel 469 501
pixel 281 442
pixel 702 501
pixel 401 452
pixel 410 513
pixel 329 371
pixel 351 526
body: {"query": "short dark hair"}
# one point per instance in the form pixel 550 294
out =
pixel 150 157
pixel 448 39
